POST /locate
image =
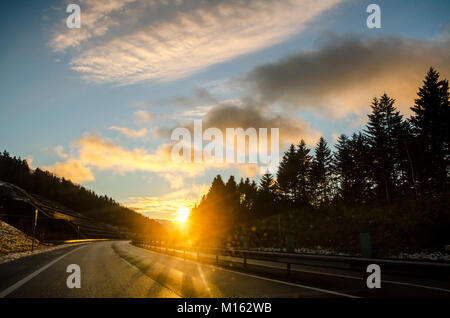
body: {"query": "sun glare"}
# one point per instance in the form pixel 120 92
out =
pixel 183 214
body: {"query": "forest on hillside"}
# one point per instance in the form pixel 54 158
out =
pixel 76 197
pixel 391 179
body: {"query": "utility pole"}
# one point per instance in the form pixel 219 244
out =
pixel 34 229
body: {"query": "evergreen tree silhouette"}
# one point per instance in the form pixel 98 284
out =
pixel 430 123
pixel 352 174
pixel 267 196
pixel 321 173
pixel 384 131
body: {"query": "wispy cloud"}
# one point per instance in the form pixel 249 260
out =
pixel 176 181
pixel 142 116
pixel 173 39
pixel 59 150
pixel 132 133
pixel 97 19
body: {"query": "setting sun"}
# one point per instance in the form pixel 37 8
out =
pixel 183 214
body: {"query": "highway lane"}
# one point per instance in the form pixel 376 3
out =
pixel 429 281
pixel 342 279
pixel 119 269
pixel 103 274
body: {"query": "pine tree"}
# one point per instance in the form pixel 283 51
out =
pixel 384 132
pixel 232 200
pixel 287 174
pixel 293 175
pixel 342 166
pixel 431 127
pixel 266 202
pixel 304 164
pixel 248 191
pixel 321 173
pixel 353 177
pixel 267 184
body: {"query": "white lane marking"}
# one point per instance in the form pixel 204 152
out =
pixel 354 277
pixel 270 279
pixel 415 285
pixel 326 274
pixel 382 280
pixel 332 274
pixel 21 282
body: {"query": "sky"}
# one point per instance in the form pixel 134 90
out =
pixel 97 104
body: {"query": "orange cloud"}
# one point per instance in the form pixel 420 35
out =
pixel 105 155
pixel 73 170
pixel 167 206
pixel 142 116
pixel 130 132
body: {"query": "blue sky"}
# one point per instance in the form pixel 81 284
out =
pixel 73 102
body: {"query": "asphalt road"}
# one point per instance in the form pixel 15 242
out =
pixel 119 269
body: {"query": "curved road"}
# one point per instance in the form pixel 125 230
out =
pixel 119 269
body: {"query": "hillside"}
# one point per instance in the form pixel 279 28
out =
pixel 54 222
pixel 67 210
pixel 405 228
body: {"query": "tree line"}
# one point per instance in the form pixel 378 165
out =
pixel 74 196
pixel 393 158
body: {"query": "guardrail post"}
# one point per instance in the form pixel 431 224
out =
pixel 217 259
pixel 289 269
pixel 184 253
pixel 197 255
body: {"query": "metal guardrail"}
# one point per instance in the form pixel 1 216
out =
pixel 424 268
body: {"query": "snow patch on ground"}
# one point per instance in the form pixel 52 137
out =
pixel 303 250
pixel 424 255
pixel 318 250
pixel 15 244
pixel 13 240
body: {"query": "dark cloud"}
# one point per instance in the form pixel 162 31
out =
pixel 200 96
pixel 345 72
pixel 249 113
